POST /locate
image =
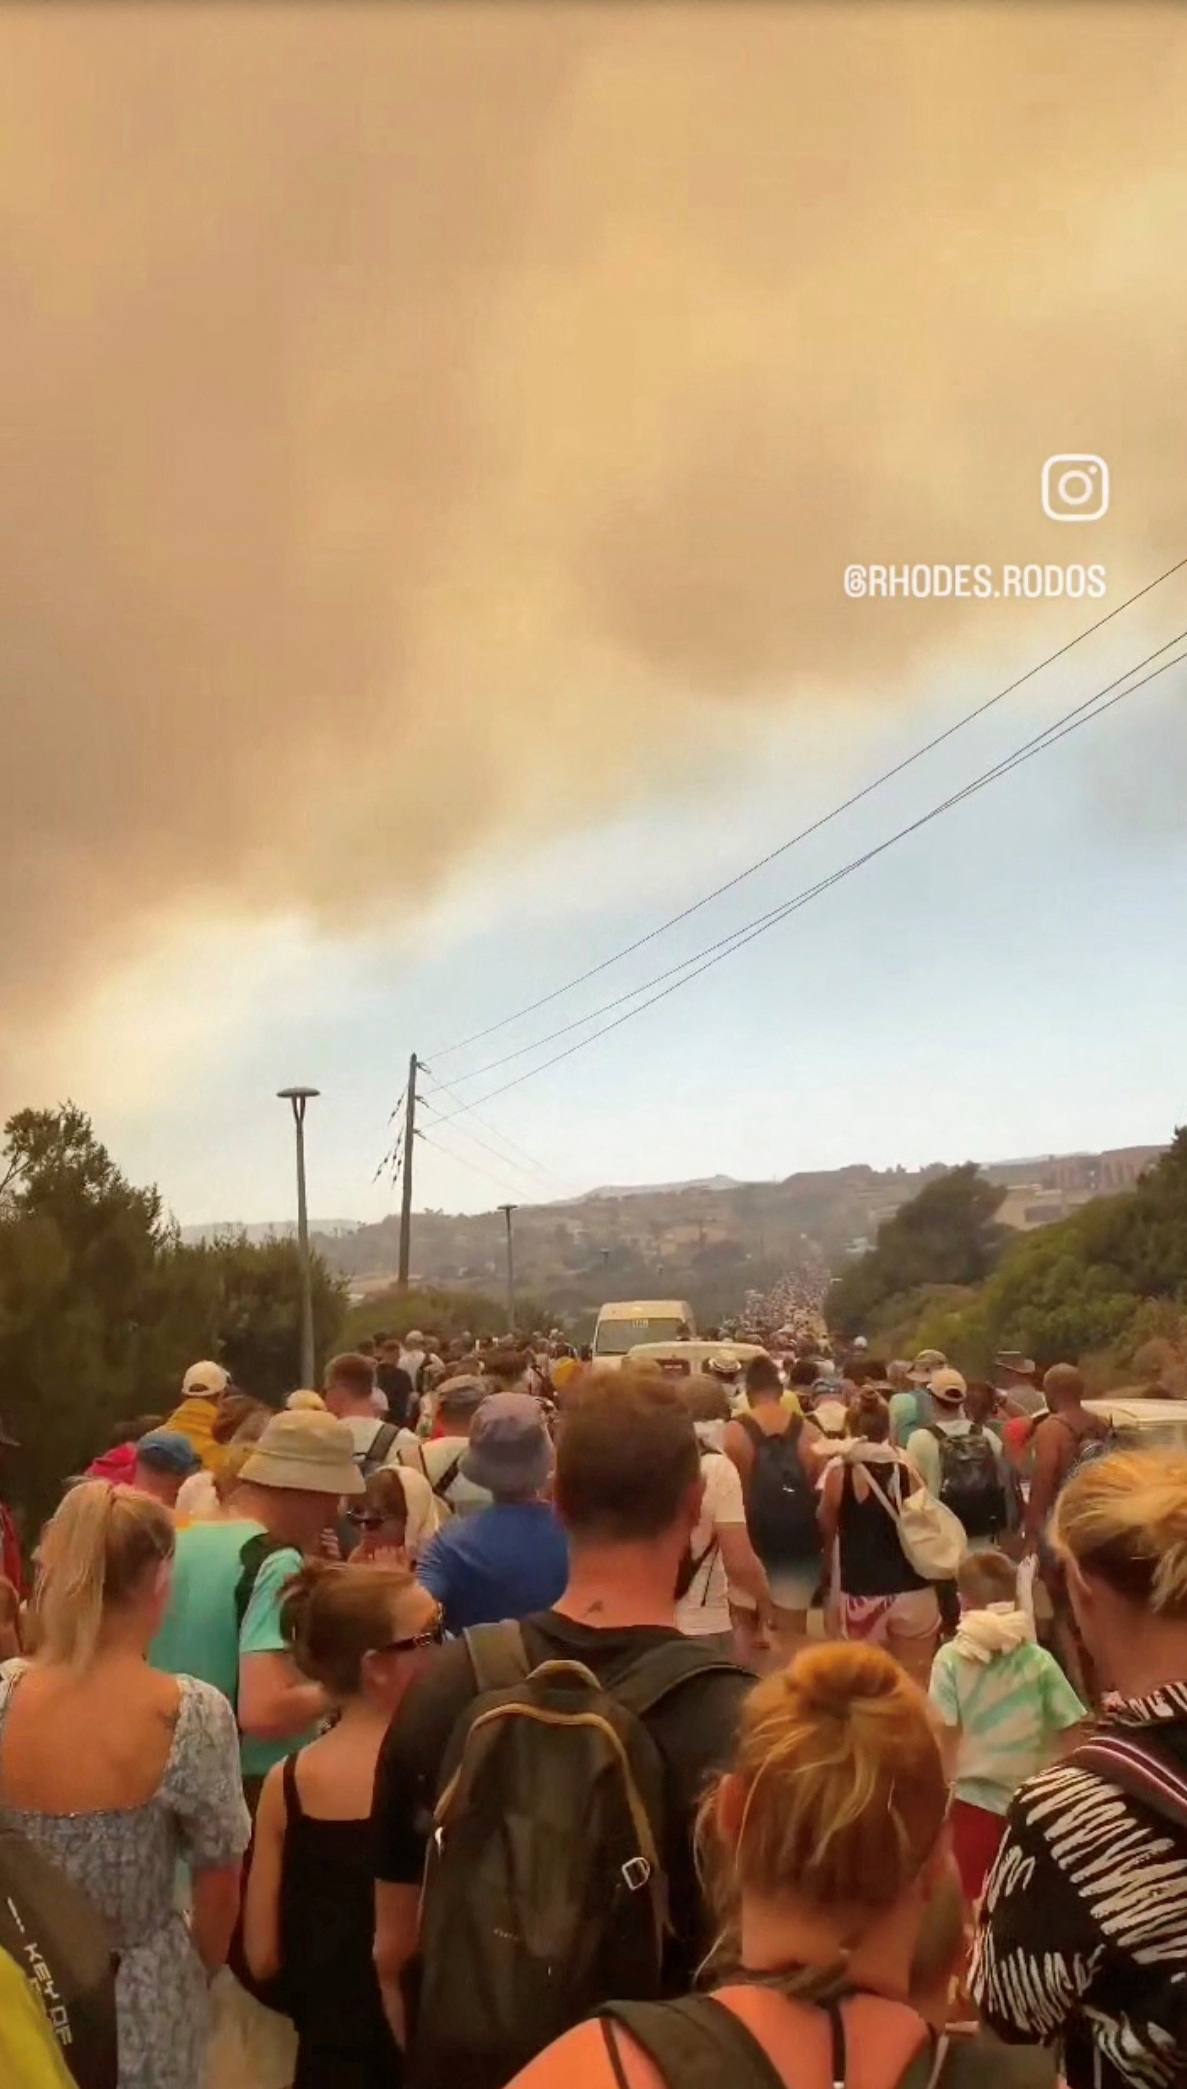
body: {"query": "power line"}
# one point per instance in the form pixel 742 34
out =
pixel 886 776
pixel 391 1158
pixel 724 943
pixel 1082 714
pixel 437 1117
pixel 538 1166
pixel 462 1159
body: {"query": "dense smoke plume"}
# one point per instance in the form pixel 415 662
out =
pixel 418 413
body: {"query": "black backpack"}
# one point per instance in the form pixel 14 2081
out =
pixel 697 2043
pixel 971 1483
pixel 780 1498
pixel 252 1554
pixel 545 1891
pixel 62 1943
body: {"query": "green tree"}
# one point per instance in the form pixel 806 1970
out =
pixel 435 1310
pixel 239 1301
pixel 1086 1288
pixel 102 1306
pixel 948 1234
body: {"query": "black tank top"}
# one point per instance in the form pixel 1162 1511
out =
pixel 327 1935
pixel 873 1562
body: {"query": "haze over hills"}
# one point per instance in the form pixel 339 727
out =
pixel 267 1229
pixel 657 1189
pixel 709 1240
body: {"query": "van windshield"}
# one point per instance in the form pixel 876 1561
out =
pixel 615 1337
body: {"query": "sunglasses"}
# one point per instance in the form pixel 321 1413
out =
pixel 366 1519
pixel 432 1636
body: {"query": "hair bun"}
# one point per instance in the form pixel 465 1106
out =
pixel 832 1681
pixel 298 1593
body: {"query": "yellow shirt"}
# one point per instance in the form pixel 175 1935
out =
pixel 29 2053
pixel 195 1419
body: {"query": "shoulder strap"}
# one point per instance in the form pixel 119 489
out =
pixel 750 1428
pixel 498 1656
pixel 654 1675
pixel 1141 1770
pixel 883 1494
pixel 706 1561
pixel 292 1798
pixel 695 2043
pixel 442 1485
pixel 375 1456
pixel 927 2069
pixel 251 1557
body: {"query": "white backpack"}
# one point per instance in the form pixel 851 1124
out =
pixel 932 1538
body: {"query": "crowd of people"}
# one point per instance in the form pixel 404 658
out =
pixel 485 1718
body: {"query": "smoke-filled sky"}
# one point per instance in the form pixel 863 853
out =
pixel 434 438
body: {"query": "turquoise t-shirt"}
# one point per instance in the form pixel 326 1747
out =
pixel 910 1411
pixel 198 1636
pixel 1009 1711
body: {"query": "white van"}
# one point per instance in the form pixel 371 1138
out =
pixel 624 1323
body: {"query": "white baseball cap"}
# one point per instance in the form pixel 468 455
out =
pixel 209 1379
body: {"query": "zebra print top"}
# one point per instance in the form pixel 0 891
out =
pixel 1084 1926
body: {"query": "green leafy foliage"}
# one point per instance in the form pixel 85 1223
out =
pixel 1100 1284
pixel 441 1312
pixel 102 1306
pixel 948 1234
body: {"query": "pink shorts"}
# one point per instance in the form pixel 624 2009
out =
pixel 914 1615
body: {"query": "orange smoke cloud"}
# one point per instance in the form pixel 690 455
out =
pixel 412 407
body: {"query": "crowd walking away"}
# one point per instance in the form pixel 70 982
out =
pixel 485 1717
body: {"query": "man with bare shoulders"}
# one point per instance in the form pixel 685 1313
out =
pixel 779 1456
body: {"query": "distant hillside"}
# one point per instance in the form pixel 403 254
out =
pixel 709 1242
pixel 268 1229
pixel 658 1189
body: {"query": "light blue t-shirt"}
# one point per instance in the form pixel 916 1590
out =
pixel 1009 1711
pixel 199 1636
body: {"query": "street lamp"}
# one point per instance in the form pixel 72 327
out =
pixel 507 1210
pixel 298 1097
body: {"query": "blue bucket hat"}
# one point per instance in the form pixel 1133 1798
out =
pixel 510 1450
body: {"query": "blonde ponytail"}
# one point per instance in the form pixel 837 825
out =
pixel 1124 1519
pixel 95 1552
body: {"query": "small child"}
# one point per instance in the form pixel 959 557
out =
pixel 1006 1707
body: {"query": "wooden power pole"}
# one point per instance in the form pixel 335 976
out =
pixel 406 1180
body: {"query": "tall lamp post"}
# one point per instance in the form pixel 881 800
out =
pixel 507 1210
pixel 299 1097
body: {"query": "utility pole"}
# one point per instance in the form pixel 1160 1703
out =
pixel 507 1210
pixel 299 1097
pixel 406 1180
